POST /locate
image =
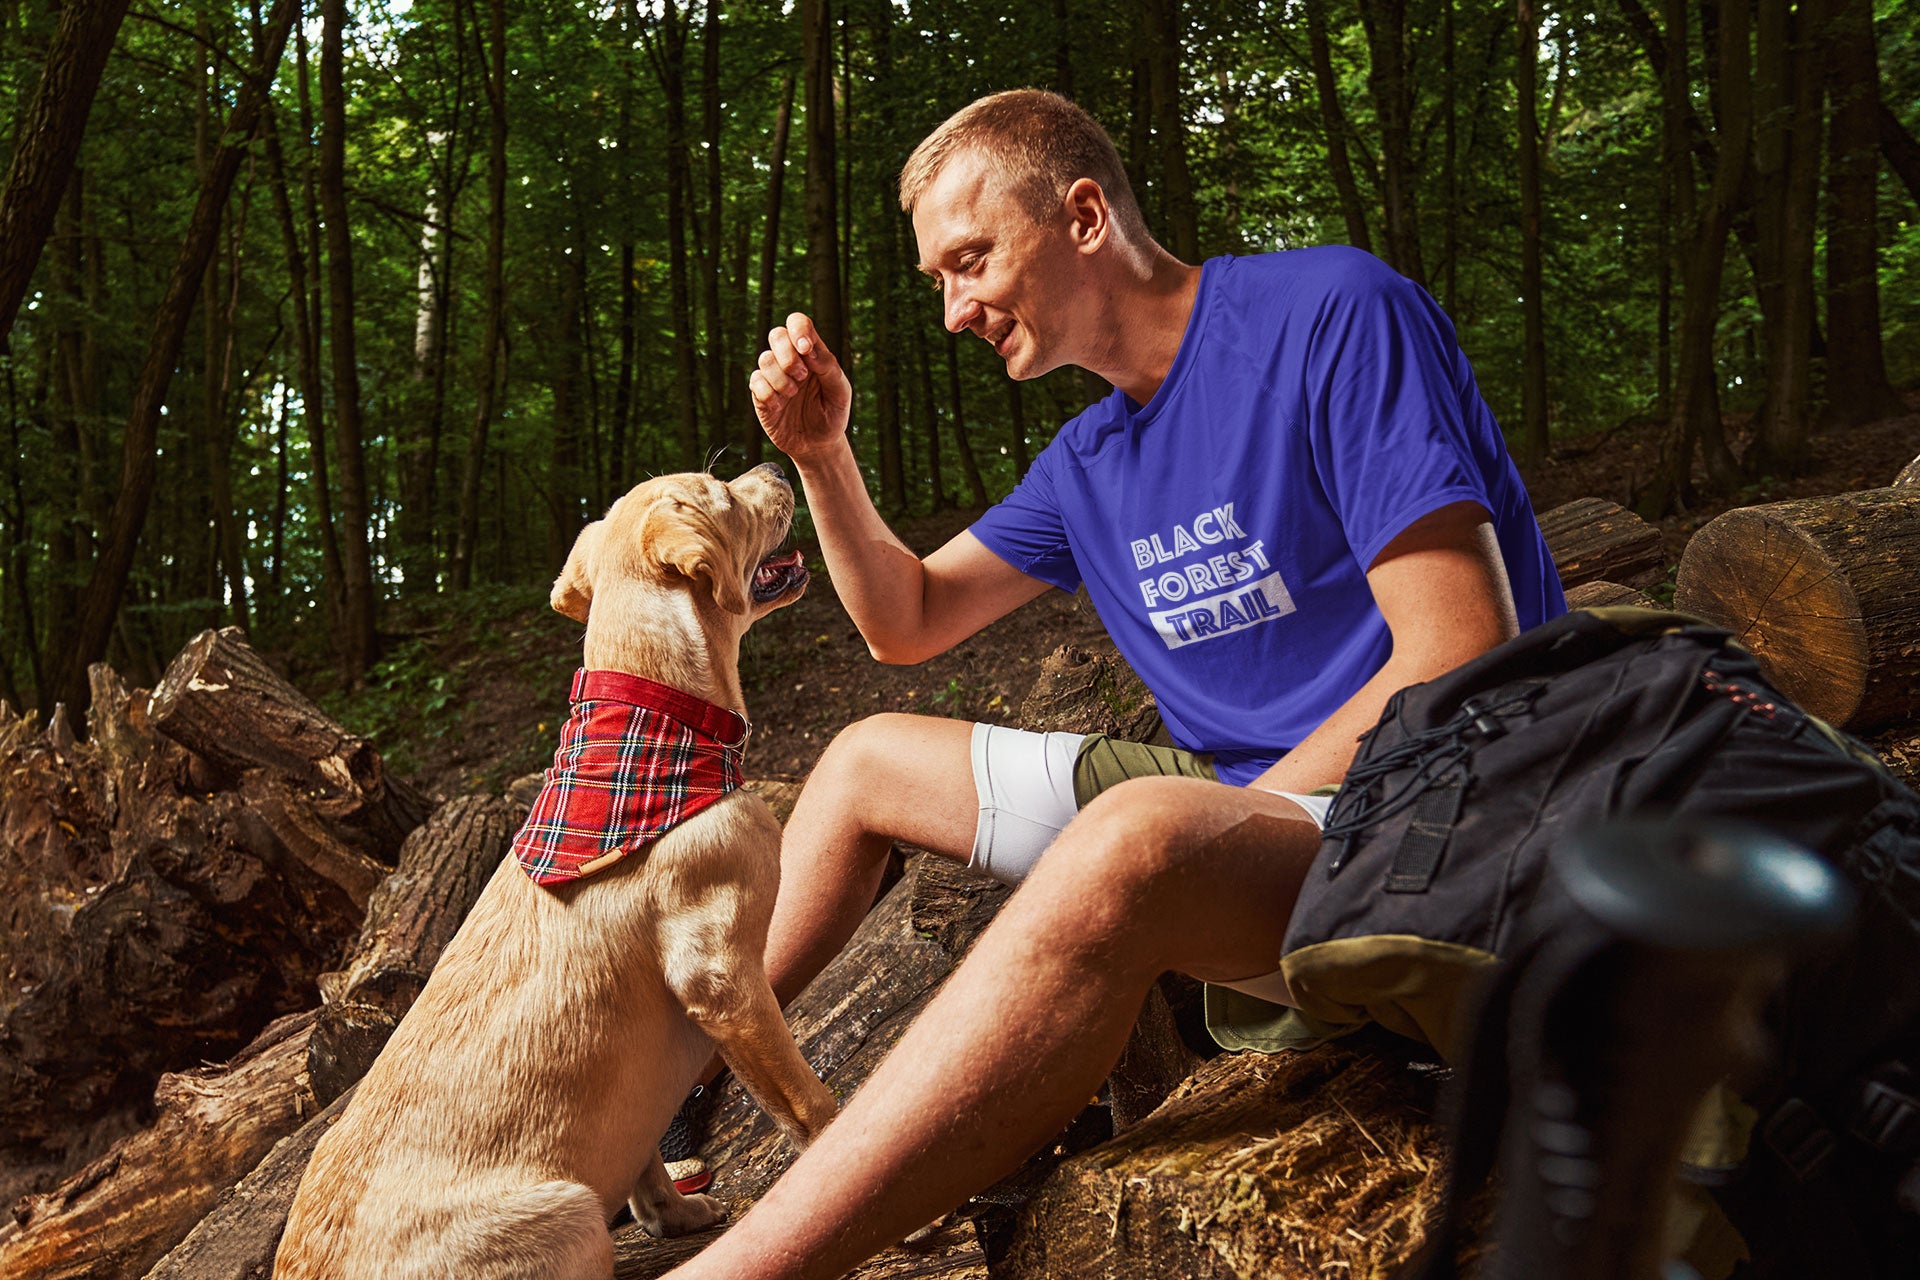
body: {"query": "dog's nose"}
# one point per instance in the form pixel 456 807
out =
pixel 779 472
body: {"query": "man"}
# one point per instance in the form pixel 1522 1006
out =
pixel 1293 504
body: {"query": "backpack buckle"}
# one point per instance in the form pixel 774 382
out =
pixel 1888 1118
pixel 1800 1138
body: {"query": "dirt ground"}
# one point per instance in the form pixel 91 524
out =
pixel 501 679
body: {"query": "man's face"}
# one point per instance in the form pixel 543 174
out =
pixel 1002 276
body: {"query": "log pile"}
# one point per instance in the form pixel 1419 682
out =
pixel 168 888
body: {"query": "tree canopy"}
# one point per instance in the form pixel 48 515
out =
pixel 316 311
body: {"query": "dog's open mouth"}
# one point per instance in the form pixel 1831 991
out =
pixel 777 576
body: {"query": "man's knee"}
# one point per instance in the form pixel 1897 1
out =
pixel 864 747
pixel 1134 832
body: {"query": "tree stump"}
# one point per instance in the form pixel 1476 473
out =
pixel 1081 692
pixel 1603 594
pixel 1826 594
pixel 1302 1165
pixel 1592 539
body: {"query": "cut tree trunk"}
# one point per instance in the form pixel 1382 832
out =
pixel 1909 477
pixel 121 1213
pixel 1591 539
pixel 1292 1165
pixel 1823 591
pixel 1081 692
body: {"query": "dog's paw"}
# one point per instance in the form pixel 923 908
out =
pixel 682 1216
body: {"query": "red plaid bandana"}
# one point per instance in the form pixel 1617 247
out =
pixel 636 759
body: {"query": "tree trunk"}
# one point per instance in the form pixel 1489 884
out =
pixel 725 432
pixel 888 269
pixel 930 419
pixel 100 603
pixel 969 466
pixel 770 241
pixel 1533 429
pixel 1449 166
pixel 823 217
pixel 1902 152
pixel 1391 81
pixel 1591 539
pixel 356 643
pixel 670 64
pixel 1333 123
pixel 1857 386
pixel 1169 125
pixel 46 141
pixel 1786 188
pixel 1822 590
pixel 417 436
pixel 1017 428
pixel 460 570
pixel 566 483
pixel 1696 404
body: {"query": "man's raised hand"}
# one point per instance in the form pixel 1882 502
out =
pixel 800 393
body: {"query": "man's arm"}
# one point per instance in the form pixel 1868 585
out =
pixel 907 609
pixel 1442 587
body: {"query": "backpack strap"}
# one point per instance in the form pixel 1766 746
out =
pixel 1417 859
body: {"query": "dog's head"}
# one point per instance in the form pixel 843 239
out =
pixel 695 533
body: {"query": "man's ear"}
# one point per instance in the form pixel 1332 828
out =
pixel 573 589
pixel 689 541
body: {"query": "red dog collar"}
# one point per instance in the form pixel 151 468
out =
pixel 636 759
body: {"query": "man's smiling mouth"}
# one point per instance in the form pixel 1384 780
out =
pixel 997 337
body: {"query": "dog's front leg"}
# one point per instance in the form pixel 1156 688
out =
pixel 754 1040
pixel 662 1211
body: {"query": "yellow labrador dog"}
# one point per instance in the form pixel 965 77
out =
pixel 520 1101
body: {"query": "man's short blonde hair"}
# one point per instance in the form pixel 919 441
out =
pixel 1039 144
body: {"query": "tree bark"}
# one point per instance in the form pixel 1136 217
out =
pixel 1533 362
pixel 47 142
pixel 670 63
pixel 460 570
pixel 1857 386
pixel 930 419
pixel 823 218
pixel 1017 429
pixel 100 603
pixel 1901 151
pixel 725 432
pixel 1909 476
pixel 1333 123
pixel 357 642
pixel 1822 590
pixel 888 269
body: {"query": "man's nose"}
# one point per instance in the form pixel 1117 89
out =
pixel 961 310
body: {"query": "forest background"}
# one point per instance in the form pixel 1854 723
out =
pixel 315 318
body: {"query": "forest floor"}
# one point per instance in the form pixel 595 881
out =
pixel 472 693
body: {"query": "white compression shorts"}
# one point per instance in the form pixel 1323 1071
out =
pixel 1024 782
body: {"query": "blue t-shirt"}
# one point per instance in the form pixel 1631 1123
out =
pixel 1317 407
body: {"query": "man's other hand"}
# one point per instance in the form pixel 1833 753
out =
pixel 800 393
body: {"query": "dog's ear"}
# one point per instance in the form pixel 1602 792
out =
pixel 689 541
pixel 573 589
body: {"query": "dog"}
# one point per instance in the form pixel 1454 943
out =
pixel 521 1100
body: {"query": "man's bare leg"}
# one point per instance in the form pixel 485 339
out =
pixel 886 778
pixel 1157 874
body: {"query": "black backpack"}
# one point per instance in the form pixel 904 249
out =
pixel 1437 865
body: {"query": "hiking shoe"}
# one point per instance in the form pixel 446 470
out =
pixel 680 1144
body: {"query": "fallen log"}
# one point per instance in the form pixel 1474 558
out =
pixel 413 915
pixel 146 924
pixel 1082 692
pixel 1824 592
pixel 1298 1165
pixel 222 702
pixel 1602 594
pixel 122 1212
pixel 1592 539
